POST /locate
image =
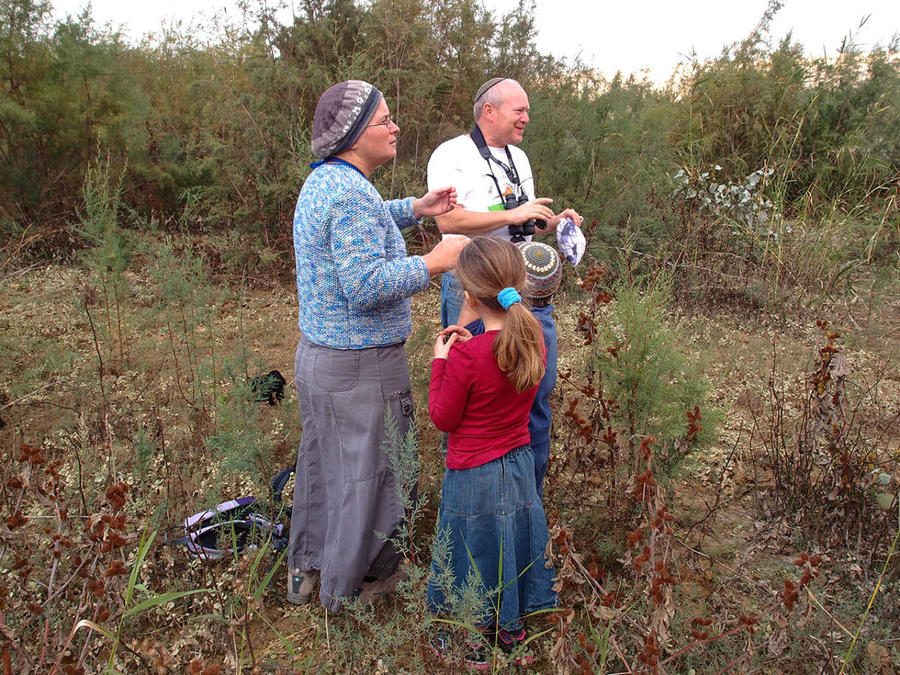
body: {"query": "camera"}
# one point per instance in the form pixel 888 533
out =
pixel 526 229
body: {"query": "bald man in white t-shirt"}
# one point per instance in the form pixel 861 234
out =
pixel 494 183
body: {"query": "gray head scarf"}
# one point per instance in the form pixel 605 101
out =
pixel 342 114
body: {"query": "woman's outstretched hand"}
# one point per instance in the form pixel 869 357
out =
pixel 435 202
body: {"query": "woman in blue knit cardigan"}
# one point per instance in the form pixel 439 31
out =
pixel 354 281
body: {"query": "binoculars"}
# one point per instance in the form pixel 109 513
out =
pixel 518 232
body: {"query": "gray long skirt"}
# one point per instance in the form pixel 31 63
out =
pixel 344 491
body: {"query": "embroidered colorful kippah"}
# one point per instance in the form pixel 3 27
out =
pixel 508 297
pixel 543 270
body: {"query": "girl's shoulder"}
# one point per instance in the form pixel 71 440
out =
pixel 479 344
pixel 485 339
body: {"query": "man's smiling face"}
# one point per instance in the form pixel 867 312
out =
pixel 509 118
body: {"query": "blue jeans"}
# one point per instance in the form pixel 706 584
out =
pixel 539 418
pixel 451 299
pixel 494 526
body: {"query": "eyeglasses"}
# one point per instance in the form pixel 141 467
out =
pixel 386 123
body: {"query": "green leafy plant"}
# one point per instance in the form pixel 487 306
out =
pixel 643 369
pixel 188 305
pixel 239 439
pixel 403 460
pixel 111 247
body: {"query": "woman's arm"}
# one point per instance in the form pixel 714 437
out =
pixel 358 231
pixel 433 203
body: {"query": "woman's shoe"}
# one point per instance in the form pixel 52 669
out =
pixel 370 590
pixel 300 586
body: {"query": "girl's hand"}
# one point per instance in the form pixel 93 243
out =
pixel 442 345
pixel 462 335
pixel 447 337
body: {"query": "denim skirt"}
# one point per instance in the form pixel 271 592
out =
pixel 491 524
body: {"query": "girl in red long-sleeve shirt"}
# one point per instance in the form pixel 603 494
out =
pixel 481 392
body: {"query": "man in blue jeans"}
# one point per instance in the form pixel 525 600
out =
pixel 543 273
pixel 495 188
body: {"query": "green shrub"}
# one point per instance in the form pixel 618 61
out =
pixel 645 369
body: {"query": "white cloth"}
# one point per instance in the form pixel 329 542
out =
pixel 457 162
pixel 570 240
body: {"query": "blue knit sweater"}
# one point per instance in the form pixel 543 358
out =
pixel 354 278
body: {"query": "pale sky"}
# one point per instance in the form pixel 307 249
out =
pixel 632 35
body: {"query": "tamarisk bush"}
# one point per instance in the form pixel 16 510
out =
pixel 110 246
pixel 826 451
pixel 636 383
pixel 629 625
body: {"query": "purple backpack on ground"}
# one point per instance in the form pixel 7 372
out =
pixel 232 526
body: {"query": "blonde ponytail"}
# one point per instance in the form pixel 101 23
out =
pixel 519 348
pixel 487 266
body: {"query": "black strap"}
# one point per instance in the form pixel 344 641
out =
pixel 279 481
pixel 337 160
pixel 485 152
pixel 516 232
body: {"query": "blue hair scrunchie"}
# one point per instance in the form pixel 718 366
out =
pixel 508 297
